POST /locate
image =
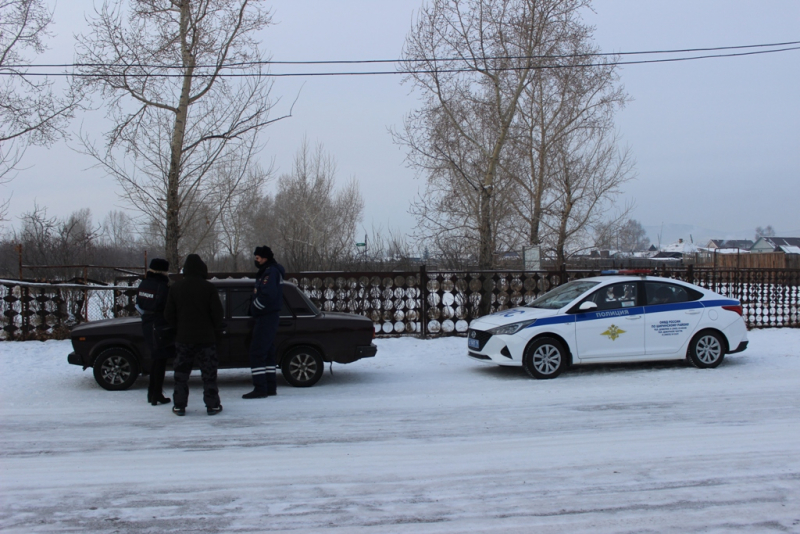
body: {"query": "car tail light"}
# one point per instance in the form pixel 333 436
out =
pixel 737 309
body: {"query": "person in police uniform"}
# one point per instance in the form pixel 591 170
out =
pixel 265 307
pixel 151 299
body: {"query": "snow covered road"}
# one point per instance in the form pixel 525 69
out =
pixel 418 439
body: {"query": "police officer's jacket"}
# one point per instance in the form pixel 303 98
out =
pixel 151 298
pixel 268 292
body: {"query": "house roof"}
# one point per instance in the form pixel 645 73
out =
pixel 743 244
pixel 778 243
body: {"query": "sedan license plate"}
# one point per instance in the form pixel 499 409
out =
pixel 474 344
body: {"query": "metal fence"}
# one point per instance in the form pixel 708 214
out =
pixel 421 303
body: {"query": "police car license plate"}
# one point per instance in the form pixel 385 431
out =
pixel 473 343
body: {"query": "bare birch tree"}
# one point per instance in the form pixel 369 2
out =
pixel 472 60
pixel 161 67
pixel 31 112
pixel 569 107
pixel 588 172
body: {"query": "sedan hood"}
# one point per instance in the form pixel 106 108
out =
pixel 94 327
pixel 513 315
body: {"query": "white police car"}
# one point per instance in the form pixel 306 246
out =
pixel 614 318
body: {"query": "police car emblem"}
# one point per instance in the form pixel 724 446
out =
pixel 613 332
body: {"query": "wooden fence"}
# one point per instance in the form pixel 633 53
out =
pixel 422 303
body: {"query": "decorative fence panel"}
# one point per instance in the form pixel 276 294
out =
pixel 47 311
pixel 421 303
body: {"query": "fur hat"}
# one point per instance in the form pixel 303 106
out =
pixel 159 265
pixel 265 252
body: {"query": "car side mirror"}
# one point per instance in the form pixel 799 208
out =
pixel 588 305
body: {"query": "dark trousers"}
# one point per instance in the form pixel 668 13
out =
pixel 262 352
pixel 205 356
pixel 158 357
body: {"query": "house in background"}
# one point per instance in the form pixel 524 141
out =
pixel 731 244
pixel 787 245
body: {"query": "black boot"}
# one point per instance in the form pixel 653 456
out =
pixel 162 400
pixel 256 394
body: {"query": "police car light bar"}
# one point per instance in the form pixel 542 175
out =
pixel 627 271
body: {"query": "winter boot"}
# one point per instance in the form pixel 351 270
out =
pixel 256 394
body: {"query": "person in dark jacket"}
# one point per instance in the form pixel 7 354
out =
pixel 194 309
pixel 265 306
pixel 151 299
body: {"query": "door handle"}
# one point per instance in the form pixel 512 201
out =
pixel 692 312
pixel 633 317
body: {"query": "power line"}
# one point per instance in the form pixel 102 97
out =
pixel 408 71
pixel 406 61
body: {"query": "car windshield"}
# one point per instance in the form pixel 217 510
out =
pixel 562 295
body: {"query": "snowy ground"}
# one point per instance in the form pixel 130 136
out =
pixel 418 439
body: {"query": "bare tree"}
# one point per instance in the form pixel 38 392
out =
pixel 561 102
pixel 313 224
pixel 767 231
pixel 589 171
pixel 472 60
pixel 236 220
pixel 30 110
pixel 118 229
pixel 179 121
pixel 626 236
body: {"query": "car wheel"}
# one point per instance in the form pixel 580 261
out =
pixel 116 369
pixel 706 350
pixel 545 358
pixel 302 366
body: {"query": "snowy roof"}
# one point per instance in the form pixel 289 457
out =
pixel 790 249
pixel 684 247
pixel 744 244
pixel 778 242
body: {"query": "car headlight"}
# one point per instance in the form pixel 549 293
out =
pixel 508 329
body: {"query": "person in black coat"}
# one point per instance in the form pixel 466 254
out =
pixel 265 306
pixel 151 299
pixel 194 309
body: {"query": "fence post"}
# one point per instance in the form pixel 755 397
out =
pixel 423 283
pixel 19 252
pixel 24 309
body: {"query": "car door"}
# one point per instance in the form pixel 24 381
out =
pixel 672 313
pixel 614 330
pixel 240 325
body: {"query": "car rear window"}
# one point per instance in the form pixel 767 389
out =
pixel 665 293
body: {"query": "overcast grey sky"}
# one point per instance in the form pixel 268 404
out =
pixel 717 141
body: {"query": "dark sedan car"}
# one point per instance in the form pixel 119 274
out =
pixel 307 338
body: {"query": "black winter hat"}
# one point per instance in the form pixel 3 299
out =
pixel 159 265
pixel 194 266
pixel 265 252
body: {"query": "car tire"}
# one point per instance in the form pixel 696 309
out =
pixel 545 358
pixel 302 366
pixel 706 350
pixel 116 369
